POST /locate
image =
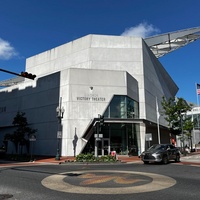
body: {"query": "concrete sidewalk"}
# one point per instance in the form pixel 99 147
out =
pixel 192 158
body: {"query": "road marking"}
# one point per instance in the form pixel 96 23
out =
pixel 60 182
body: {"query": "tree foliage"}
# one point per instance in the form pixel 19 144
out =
pixel 175 111
pixel 20 137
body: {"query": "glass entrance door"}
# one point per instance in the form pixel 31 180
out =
pixel 106 146
pixel 103 146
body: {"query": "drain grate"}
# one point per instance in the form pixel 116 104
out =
pixel 5 196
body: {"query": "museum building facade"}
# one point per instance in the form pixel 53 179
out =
pixel 117 77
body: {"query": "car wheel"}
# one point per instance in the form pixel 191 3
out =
pixel 177 159
pixel 146 162
pixel 165 160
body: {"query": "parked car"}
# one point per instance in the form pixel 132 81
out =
pixel 161 153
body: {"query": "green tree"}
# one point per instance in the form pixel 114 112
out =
pixel 20 137
pixel 188 127
pixel 175 111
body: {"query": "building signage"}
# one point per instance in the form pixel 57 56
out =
pixel 92 97
pixel 195 110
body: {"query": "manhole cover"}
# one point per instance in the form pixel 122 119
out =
pixel 5 196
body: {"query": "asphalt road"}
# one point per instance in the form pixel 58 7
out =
pixel 100 182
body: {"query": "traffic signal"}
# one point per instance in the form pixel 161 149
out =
pixel 28 75
pixel 101 120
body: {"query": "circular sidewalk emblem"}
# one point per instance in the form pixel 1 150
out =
pixel 107 182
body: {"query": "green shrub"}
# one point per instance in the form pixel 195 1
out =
pixel 91 158
pixel 85 157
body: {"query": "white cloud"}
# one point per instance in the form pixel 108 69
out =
pixel 143 30
pixel 6 50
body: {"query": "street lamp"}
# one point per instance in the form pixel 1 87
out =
pixel 182 116
pixel 60 112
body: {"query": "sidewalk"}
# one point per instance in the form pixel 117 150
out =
pixel 192 158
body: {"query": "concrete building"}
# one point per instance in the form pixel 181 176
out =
pixel 117 77
pixel 195 136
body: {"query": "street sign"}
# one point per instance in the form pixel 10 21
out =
pixel 98 135
pixel 148 136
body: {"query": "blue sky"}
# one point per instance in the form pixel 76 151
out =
pixel 29 27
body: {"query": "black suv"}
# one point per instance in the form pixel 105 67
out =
pixel 161 153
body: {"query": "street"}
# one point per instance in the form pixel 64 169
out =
pixel 100 181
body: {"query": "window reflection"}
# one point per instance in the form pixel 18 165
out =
pixel 122 107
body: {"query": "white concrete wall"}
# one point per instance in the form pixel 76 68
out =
pixel 157 84
pixel 106 60
pixel 39 102
pixel 121 53
pixel 87 94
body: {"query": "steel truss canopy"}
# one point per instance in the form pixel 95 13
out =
pixel 12 81
pixel 168 42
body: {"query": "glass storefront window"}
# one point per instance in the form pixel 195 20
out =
pixel 122 107
pixel 123 137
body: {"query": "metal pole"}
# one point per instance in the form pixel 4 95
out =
pixel 183 139
pixel 97 139
pixel 3 70
pixel 158 117
pixel 58 150
pixel 31 151
pixel 197 104
pixel 197 94
pixel 58 138
pixel 60 112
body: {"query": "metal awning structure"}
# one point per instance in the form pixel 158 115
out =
pixel 12 81
pixel 166 43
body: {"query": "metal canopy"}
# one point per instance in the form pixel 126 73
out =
pixel 166 43
pixel 12 81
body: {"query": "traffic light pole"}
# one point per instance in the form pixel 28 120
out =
pixel 30 76
pixel 3 70
pixel 98 136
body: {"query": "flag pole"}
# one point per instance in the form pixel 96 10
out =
pixel 197 94
pixel 158 116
